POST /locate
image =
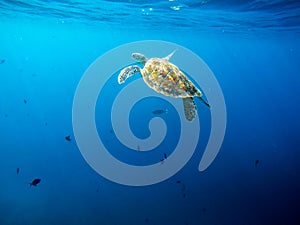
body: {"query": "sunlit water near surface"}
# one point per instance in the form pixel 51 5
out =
pixel 253 49
pixel 206 15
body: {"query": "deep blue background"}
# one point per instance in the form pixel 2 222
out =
pixel 256 61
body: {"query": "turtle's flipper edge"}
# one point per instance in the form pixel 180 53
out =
pixel 189 108
pixel 127 72
pixel 208 105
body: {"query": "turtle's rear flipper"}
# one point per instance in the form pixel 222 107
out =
pixel 127 72
pixel 189 108
pixel 204 102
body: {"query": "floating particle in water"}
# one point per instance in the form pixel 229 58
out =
pixel 35 182
pixel 175 6
pixel 159 111
pixel 256 162
pixel 204 210
pixel 25 101
pixel 2 61
pixel 18 170
pixel 147 11
pixel 183 188
pixel 68 138
pixel 146 220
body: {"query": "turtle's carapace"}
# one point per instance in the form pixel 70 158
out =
pixel 167 79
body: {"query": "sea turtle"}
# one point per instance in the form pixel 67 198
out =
pixel 165 78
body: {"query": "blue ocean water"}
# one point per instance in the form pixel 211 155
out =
pixel 252 48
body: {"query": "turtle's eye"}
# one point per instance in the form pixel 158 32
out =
pixel 135 56
pixel 138 57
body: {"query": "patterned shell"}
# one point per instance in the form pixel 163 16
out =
pixel 165 78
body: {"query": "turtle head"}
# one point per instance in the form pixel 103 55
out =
pixel 140 58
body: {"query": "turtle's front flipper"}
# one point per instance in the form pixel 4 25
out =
pixel 127 72
pixel 189 108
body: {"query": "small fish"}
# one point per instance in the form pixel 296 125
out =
pixel 178 181
pixel 68 138
pixel 35 182
pixel 165 156
pixel 18 170
pixel 159 111
pixel 256 162
pixel 25 101
pixel 2 61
